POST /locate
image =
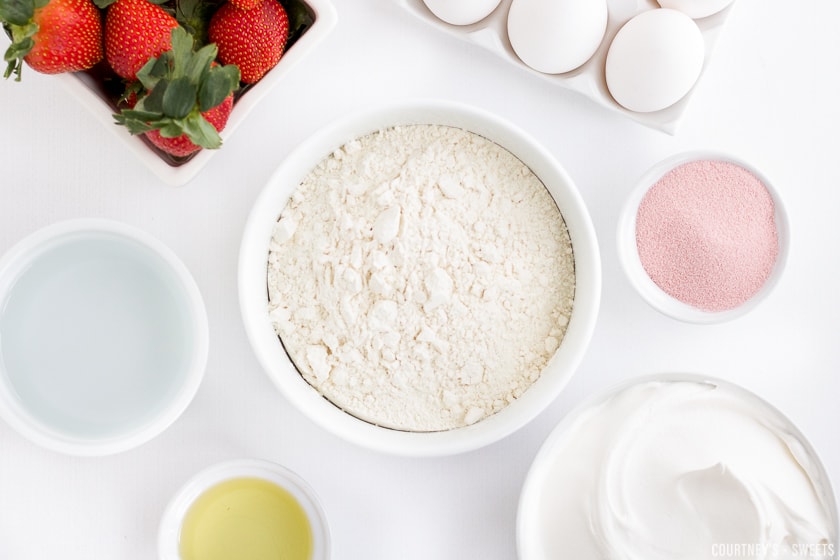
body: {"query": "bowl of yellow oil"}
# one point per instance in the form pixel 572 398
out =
pixel 245 509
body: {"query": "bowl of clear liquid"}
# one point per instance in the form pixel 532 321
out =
pixel 103 337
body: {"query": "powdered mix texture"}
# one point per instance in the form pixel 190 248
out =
pixel 421 278
pixel 706 234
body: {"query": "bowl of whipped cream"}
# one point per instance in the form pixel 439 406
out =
pixel 421 278
pixel 676 466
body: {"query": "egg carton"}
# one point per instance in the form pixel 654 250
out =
pixel 589 79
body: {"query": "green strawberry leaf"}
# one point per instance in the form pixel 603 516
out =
pixel 170 128
pixel 17 12
pixel 299 16
pixel 102 4
pixel 219 83
pixel 131 90
pixel 137 122
pixel 179 98
pixel 201 132
pixel 135 127
pixel 13 67
pixel 182 50
pixel 19 49
pixel 200 63
pixel 154 100
pixel 145 116
pixel 152 72
pixel 195 16
pixel 22 43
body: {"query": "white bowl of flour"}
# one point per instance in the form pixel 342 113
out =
pixel 420 279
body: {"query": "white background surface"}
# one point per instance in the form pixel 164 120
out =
pixel 771 94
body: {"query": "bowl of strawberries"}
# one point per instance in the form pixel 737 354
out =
pixel 178 75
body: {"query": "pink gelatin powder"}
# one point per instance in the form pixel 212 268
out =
pixel 706 234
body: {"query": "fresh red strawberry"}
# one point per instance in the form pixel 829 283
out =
pixel 182 145
pixel 187 98
pixel 135 31
pixel 61 36
pixel 245 4
pixel 253 40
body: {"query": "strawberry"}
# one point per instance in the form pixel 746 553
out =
pixel 52 37
pixel 135 31
pixel 182 145
pixel 187 98
pixel 253 40
pixel 245 4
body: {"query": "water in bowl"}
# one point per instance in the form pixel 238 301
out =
pixel 95 335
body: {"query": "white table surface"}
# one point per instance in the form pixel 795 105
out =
pixel 770 94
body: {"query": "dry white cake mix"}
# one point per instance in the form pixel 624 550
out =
pixel 421 277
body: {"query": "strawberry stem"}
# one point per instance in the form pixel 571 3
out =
pixel 16 16
pixel 180 85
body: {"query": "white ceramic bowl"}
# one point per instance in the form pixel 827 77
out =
pixel 103 337
pixel 254 299
pixel 84 88
pixel 629 256
pixel 173 517
pixel 531 523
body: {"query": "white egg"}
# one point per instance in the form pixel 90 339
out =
pixel 696 9
pixel 462 12
pixel 654 60
pixel 556 36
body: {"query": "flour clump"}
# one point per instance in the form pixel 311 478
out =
pixel 421 278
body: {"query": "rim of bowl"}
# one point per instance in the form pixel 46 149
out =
pixel 253 270
pixel 24 252
pixel 655 296
pixel 526 516
pixel 170 524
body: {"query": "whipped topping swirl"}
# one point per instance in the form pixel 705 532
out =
pixel 681 470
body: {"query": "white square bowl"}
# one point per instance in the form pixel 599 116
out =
pixel 84 87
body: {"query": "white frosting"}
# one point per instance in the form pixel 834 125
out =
pixel 676 470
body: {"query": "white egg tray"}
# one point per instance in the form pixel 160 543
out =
pixel 589 79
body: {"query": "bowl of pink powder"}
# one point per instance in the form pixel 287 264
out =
pixel 703 237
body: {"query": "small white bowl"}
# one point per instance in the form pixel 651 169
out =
pixel 103 337
pixel 654 295
pixel 173 517
pixel 84 88
pixel 531 521
pixel 253 295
